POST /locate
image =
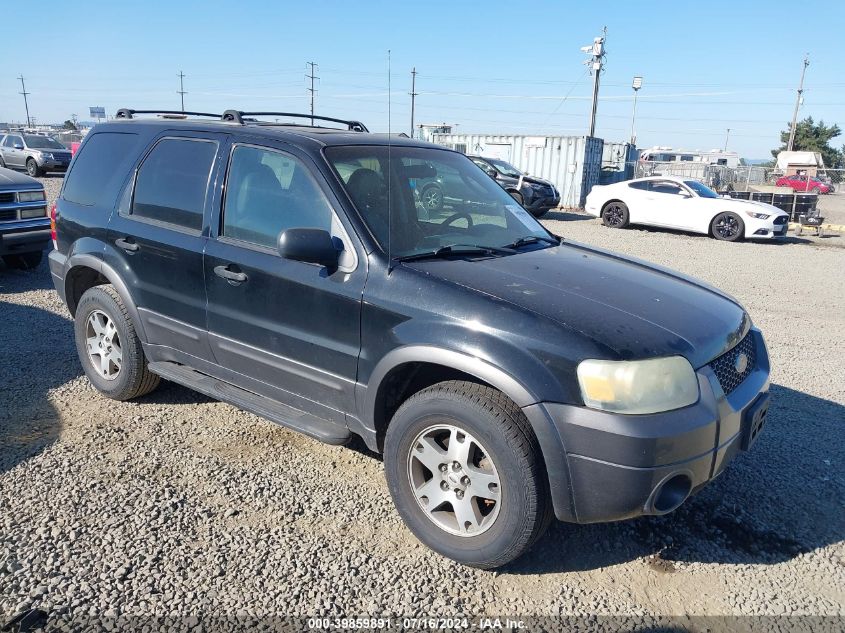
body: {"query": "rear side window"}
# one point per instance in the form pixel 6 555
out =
pixel 100 167
pixel 173 180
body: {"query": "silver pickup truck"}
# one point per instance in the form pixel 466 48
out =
pixel 24 222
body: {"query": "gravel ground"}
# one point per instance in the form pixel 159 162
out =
pixel 176 504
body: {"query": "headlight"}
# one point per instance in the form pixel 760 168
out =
pixel 30 196
pixel 28 214
pixel 635 387
pixel 759 216
pixel 46 155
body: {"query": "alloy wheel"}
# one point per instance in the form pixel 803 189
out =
pixel 103 345
pixel 454 480
pixel 726 226
pixel 614 215
pixel 432 198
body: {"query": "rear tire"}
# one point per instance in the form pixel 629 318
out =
pixel 517 196
pixel 816 190
pixel 728 227
pixel 615 215
pixel 508 505
pixel 102 324
pixel 33 169
pixel 23 261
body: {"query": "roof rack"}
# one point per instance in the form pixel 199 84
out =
pixel 240 117
pixel 128 113
pixel 237 116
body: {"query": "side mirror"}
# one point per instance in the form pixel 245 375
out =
pixel 18 145
pixel 314 246
pixel 492 173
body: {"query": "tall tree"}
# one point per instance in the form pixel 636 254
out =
pixel 814 137
pixel 69 125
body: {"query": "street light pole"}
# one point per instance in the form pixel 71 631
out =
pixel 636 85
pixel 727 136
pixel 797 104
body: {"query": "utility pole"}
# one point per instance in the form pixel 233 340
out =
pixel 25 102
pixel 596 64
pixel 727 136
pixel 636 85
pixel 413 94
pixel 181 92
pixel 312 76
pixel 797 104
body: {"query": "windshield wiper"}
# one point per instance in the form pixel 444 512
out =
pixel 531 239
pixel 458 249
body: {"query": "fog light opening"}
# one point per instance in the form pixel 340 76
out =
pixel 671 493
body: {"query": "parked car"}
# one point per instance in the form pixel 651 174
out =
pixel 804 184
pixel 506 374
pixel 537 195
pixel 685 204
pixel 36 153
pixel 24 225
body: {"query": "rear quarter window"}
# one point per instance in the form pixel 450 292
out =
pixel 100 167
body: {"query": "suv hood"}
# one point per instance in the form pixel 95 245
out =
pixel 631 309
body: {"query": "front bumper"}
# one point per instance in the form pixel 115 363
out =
pixel 24 236
pixel 622 466
pixel 767 230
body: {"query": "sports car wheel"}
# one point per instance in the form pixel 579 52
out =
pixel 728 227
pixel 615 215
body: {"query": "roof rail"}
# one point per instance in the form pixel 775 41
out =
pixel 237 116
pixel 128 113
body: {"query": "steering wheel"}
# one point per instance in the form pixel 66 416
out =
pixel 458 216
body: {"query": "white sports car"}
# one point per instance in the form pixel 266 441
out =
pixel 686 204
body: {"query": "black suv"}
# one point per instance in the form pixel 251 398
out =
pixel 506 374
pixel 536 194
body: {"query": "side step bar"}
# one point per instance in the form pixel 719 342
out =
pixel 275 411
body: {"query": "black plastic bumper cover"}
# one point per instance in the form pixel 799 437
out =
pixel 608 465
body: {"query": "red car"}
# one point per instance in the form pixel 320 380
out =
pixel 802 183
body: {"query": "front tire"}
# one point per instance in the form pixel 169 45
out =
pixel 432 198
pixel 33 169
pixel 23 261
pixel 517 196
pixel 728 227
pixel 466 474
pixel 108 346
pixel 615 215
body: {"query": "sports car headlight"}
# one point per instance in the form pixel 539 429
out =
pixel 636 387
pixel 30 196
pixel 759 216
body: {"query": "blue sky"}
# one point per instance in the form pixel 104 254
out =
pixel 496 67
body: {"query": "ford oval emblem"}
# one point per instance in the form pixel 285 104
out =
pixel 741 363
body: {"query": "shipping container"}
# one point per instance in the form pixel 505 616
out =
pixel 618 162
pixel 571 163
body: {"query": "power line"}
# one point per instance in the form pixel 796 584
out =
pixel 181 92
pixel 312 90
pixel 25 102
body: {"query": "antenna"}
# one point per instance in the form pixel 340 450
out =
pixel 389 172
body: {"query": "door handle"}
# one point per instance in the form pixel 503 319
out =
pixel 126 245
pixel 229 275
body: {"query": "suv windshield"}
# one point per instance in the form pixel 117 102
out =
pixel 473 210
pixel 701 189
pixel 41 142
pixel 505 168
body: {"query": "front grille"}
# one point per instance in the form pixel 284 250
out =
pixel 7 197
pixel 725 365
pixel 8 214
pixel 781 219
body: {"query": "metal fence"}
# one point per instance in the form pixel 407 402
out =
pixel 723 178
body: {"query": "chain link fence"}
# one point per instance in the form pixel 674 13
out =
pixel 726 179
